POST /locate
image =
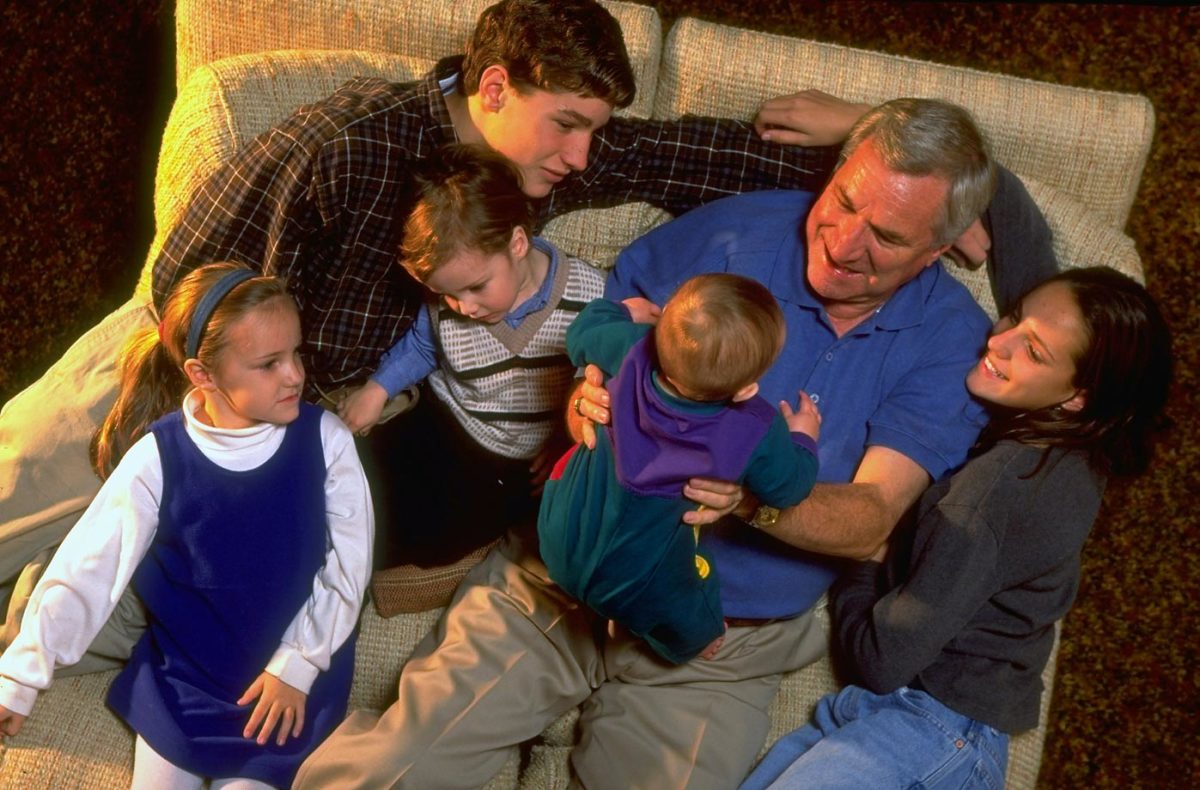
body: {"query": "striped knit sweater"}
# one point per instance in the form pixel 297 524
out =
pixel 507 387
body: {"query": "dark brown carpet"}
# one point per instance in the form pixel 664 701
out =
pixel 87 84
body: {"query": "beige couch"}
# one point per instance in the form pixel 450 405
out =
pixel 245 64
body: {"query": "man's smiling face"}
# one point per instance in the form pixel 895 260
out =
pixel 871 231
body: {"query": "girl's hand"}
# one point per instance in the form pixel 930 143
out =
pixel 278 703
pixel 717 498
pixel 806 418
pixel 642 310
pixel 10 722
pixel 361 409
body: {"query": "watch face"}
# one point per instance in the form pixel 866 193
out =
pixel 765 516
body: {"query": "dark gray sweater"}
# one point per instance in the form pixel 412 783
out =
pixel 965 606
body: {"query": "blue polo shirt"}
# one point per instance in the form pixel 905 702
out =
pixel 895 380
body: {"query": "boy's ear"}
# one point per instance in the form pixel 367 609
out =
pixel 745 393
pixel 198 374
pixel 1076 401
pixel 518 245
pixel 492 85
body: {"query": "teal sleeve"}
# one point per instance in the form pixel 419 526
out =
pixel 783 467
pixel 602 334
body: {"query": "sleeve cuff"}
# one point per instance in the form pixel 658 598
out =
pixel 17 697
pixel 292 668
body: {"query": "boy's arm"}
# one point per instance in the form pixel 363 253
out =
pixel 783 468
pixel 412 359
pixel 680 164
pixel 329 615
pixel 602 335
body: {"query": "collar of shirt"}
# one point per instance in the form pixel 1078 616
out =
pixel 542 295
pixel 236 449
pixel 441 82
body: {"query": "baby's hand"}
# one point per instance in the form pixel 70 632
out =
pixel 10 722
pixel 278 703
pixel 643 310
pixel 361 409
pixel 710 652
pixel 806 419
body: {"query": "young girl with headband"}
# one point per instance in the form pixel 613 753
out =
pixel 243 522
pixel 946 640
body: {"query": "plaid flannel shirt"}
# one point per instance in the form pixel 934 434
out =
pixel 321 200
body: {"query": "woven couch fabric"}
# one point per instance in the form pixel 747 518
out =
pixel 209 30
pixel 1093 145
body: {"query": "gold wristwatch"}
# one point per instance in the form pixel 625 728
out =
pixel 765 517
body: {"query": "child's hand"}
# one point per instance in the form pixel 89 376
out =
pixel 10 722
pixel 361 409
pixel 806 419
pixel 278 703
pixel 642 310
pixel 710 652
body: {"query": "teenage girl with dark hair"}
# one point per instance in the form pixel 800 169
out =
pixel 946 640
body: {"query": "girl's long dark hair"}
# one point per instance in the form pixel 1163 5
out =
pixel 1124 372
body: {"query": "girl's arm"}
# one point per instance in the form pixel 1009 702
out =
pixel 84 581
pixel 331 612
pixel 889 636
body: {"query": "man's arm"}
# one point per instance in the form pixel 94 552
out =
pixel 855 519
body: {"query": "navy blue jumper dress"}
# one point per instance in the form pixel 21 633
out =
pixel 231 564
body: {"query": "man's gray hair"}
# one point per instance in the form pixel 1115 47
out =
pixel 920 137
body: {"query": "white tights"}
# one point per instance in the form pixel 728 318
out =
pixel 153 772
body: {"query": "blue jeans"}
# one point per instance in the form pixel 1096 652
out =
pixel 906 739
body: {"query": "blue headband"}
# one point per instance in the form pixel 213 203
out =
pixel 208 303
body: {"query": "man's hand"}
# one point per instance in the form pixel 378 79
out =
pixel 642 310
pixel 970 250
pixel 278 703
pixel 806 419
pixel 717 498
pixel 589 405
pixel 361 409
pixel 810 117
pixel 10 722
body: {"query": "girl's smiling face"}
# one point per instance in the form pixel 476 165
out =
pixel 1029 363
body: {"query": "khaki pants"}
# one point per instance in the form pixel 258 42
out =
pixel 513 652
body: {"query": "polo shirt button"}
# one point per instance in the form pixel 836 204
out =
pixel 815 398
pixel 829 356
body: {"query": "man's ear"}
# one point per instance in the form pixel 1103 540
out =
pixel 518 245
pixel 1076 401
pixel 199 376
pixel 745 393
pixel 492 87
pixel 938 252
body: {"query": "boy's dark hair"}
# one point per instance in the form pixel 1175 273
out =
pixel 469 198
pixel 718 333
pixel 1124 372
pixel 572 46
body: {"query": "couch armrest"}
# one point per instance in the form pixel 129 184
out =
pixel 228 103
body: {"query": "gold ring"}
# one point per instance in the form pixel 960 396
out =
pixel 576 406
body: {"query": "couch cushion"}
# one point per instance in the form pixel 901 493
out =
pixel 1092 146
pixel 209 30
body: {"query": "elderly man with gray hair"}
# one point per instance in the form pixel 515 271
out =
pixel 879 335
